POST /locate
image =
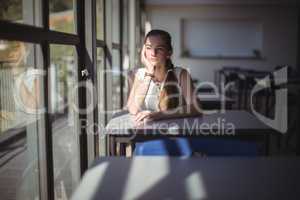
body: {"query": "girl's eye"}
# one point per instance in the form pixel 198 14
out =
pixel 148 47
pixel 160 49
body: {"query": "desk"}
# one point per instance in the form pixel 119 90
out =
pixel 191 178
pixel 212 101
pixel 232 123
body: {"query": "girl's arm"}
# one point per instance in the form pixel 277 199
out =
pixel 138 94
pixel 140 87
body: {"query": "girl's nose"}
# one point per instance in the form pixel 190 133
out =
pixel 153 52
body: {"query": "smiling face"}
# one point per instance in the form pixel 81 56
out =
pixel 156 50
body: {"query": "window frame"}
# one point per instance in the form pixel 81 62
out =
pixel 43 36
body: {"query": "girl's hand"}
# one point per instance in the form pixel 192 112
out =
pixel 146 116
pixel 149 67
pixel 143 117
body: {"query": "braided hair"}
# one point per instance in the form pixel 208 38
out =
pixel 169 97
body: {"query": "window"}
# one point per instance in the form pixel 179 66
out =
pixel 116 55
pixel 62 15
pixel 100 66
pixel 100 19
pixel 40 153
pixel 19 12
pixel 125 48
pixel 64 112
pixel 20 103
pixel 43 133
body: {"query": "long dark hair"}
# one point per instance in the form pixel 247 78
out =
pixel 169 97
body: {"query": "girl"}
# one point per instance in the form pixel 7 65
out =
pixel 161 90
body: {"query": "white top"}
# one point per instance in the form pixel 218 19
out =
pixel 152 97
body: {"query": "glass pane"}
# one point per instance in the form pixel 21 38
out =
pixel 125 54
pixel 100 78
pixel 20 100
pixel 101 97
pixel 63 93
pixel 62 15
pixel 18 11
pixel 125 24
pixel 116 84
pixel 116 21
pixel 127 77
pixel 99 19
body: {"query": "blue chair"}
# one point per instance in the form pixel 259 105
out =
pixel 224 147
pixel 187 147
pixel 164 147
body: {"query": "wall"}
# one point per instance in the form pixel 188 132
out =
pixel 279 34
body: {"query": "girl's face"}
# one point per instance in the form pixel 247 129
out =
pixel 156 50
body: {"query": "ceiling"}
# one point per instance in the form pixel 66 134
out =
pixel 222 2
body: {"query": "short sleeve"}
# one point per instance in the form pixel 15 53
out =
pixel 140 74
